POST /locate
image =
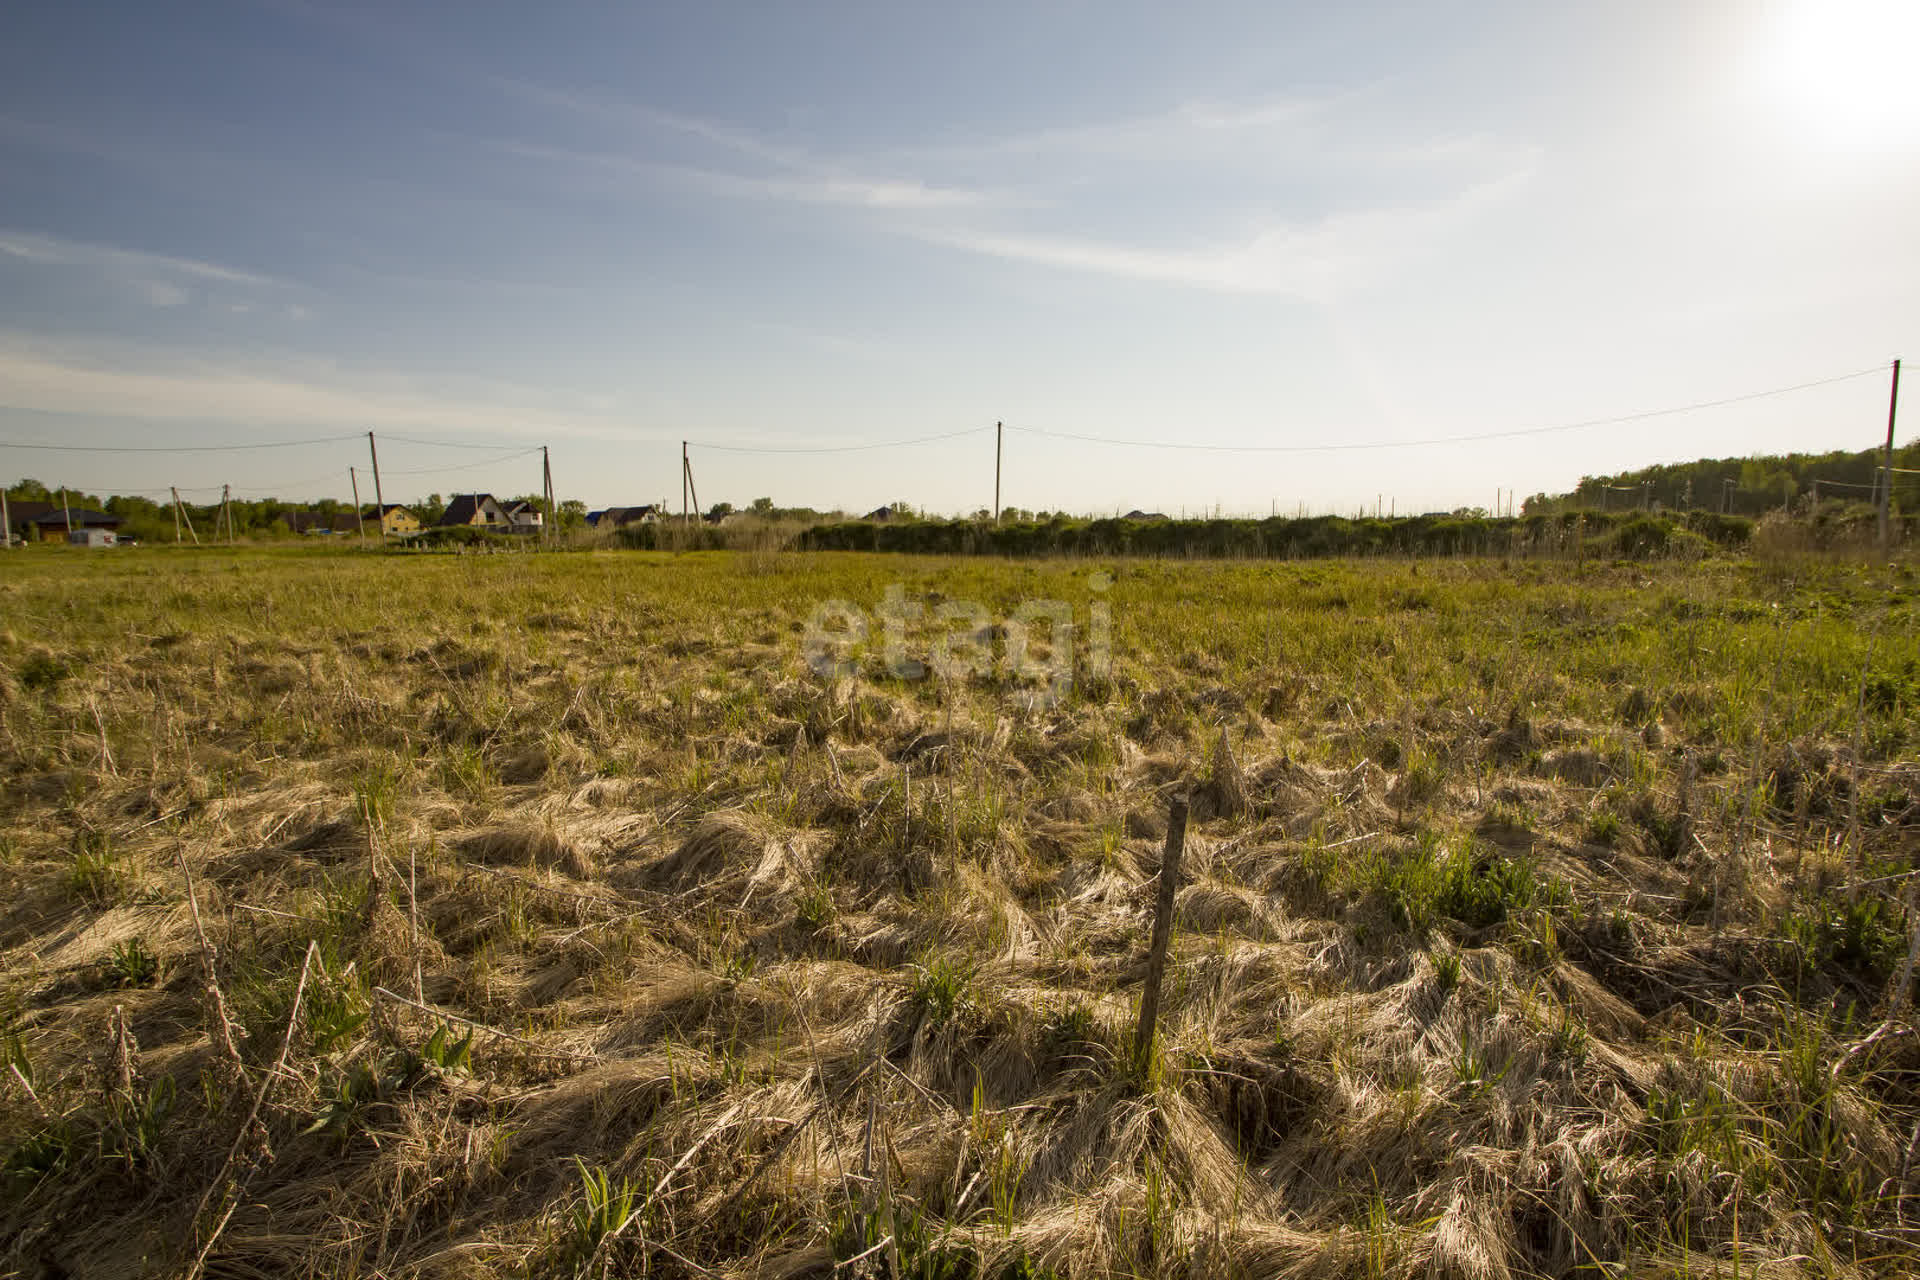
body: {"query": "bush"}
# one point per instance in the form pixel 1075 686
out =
pixel 1631 534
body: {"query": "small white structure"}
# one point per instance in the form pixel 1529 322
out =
pixel 524 517
pixel 93 538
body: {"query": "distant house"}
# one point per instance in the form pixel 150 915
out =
pixel 322 524
pixel 477 510
pixel 49 521
pixel 719 517
pixel 524 517
pixel 92 537
pixel 396 519
pixel 879 513
pixel 617 517
pixel 1137 514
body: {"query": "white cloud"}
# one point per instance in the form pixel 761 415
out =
pixel 54 251
pixel 1318 261
pixel 820 187
pixel 160 293
pixel 145 384
pixel 785 171
pixel 1306 197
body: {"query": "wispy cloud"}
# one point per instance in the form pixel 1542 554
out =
pixel 52 250
pixel 1310 197
pixel 778 170
pixel 1318 261
pixel 143 383
pixel 819 188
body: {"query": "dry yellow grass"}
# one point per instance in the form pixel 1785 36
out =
pixel 1538 920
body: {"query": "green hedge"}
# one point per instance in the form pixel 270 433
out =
pixel 1612 533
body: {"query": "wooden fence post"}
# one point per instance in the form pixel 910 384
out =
pixel 1162 932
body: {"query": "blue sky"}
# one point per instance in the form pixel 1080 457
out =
pixel 607 228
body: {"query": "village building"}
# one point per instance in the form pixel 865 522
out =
pixel 474 510
pixel 50 522
pixel 619 517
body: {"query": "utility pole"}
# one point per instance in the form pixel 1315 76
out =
pixel 686 474
pixel 68 511
pixel 359 520
pixel 546 486
pixel 379 499
pixel 1726 496
pixel 179 514
pixel 1886 468
pixel 6 519
pixel 226 511
pixel 998 429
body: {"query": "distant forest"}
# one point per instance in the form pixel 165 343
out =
pixel 1748 486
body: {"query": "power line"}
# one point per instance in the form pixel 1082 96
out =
pixel 185 448
pixel 442 444
pixel 1439 440
pixel 467 466
pixel 841 448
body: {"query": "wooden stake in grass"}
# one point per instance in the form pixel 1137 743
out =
pixel 1162 932
pixel 373 859
pixel 413 922
pixel 218 1024
pixel 220 1184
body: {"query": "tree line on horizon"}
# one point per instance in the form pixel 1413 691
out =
pixel 1740 486
pixel 1749 486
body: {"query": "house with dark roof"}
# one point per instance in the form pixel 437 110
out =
pixel 619 517
pixel 524 517
pixel 49 521
pixel 477 510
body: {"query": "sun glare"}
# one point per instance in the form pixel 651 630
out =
pixel 1847 70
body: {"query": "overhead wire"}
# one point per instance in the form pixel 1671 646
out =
pixel 1346 446
pixel 837 448
pixel 184 448
pixel 465 466
pixel 445 444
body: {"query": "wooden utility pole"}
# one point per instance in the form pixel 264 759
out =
pixel 179 515
pixel 68 511
pixel 999 429
pixel 379 498
pixel 1886 468
pixel 686 465
pixel 226 511
pixel 1162 932
pixel 359 519
pixel 686 481
pixel 546 487
pixel 6 520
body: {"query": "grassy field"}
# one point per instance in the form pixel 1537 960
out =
pixel 551 915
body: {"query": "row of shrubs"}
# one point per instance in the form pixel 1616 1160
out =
pixel 1622 533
